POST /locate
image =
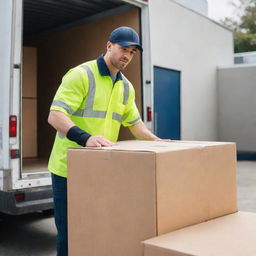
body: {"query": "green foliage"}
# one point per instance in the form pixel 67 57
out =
pixel 244 42
pixel 243 25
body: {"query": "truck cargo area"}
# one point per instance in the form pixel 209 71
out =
pixel 59 35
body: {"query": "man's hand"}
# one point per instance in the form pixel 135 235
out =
pixel 164 140
pixel 98 141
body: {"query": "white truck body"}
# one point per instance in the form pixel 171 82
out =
pixel 24 191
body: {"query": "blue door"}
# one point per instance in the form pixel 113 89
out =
pixel 167 103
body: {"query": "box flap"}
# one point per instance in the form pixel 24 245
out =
pixel 156 146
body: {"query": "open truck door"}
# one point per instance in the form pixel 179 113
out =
pixel 19 193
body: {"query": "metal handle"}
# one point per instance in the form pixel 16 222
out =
pixel 155 123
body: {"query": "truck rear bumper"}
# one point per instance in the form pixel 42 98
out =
pixel 26 201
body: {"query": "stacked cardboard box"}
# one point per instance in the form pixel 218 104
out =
pixel 136 190
pixel 29 102
pixel 231 235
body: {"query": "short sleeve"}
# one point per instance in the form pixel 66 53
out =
pixel 72 91
pixel 131 115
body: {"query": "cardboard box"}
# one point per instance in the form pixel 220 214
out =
pixel 29 72
pixel 231 235
pixel 135 190
pixel 29 128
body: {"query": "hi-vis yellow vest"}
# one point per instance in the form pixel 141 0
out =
pixel 95 105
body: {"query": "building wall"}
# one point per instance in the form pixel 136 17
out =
pixel 186 41
pixel 200 6
pixel 237 105
pixel 245 57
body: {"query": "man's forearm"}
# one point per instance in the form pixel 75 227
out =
pixel 60 122
pixel 141 132
pixel 64 125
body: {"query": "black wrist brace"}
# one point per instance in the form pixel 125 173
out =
pixel 78 135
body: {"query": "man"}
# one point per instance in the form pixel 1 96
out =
pixel 92 102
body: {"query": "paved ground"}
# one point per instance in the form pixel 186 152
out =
pixel 34 234
pixel 28 235
pixel 246 179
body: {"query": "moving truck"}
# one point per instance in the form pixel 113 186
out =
pixel 40 41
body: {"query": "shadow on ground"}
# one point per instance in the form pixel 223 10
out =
pixel 27 235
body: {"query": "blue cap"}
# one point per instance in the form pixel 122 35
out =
pixel 125 36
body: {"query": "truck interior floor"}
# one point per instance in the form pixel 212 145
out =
pixel 34 165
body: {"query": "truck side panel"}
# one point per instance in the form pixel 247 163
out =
pixel 10 63
pixel 5 74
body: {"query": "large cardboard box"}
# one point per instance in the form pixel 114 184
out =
pixel 29 72
pixel 29 103
pixel 231 235
pixel 135 190
pixel 29 128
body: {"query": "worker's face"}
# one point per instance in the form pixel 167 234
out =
pixel 120 56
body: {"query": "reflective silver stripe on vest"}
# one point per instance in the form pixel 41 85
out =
pixel 92 88
pixel 62 104
pixel 134 121
pixel 126 90
pixel 95 113
pixel 117 117
pixel 88 111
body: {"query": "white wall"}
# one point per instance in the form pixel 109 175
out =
pixel 245 57
pixel 237 106
pixel 200 6
pixel 195 45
